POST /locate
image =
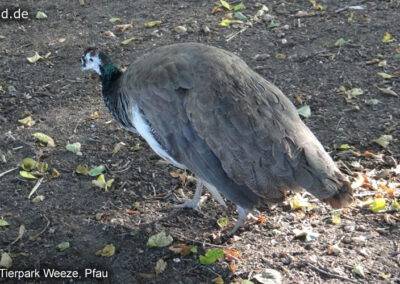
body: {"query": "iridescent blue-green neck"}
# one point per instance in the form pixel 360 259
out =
pixel 110 75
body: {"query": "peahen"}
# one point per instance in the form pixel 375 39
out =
pixel 203 109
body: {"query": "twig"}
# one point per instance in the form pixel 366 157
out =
pixel 42 231
pixel 329 274
pixel 35 187
pixel 199 242
pixel 8 171
pixel 231 36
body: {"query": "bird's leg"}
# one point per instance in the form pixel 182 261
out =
pixel 240 221
pixel 194 203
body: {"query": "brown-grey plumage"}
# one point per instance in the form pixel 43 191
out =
pixel 211 113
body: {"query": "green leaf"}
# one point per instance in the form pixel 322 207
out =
pixel 304 111
pixel 193 249
pixel 63 246
pixel 340 42
pixel 25 174
pixel 152 24
pixel 84 170
pixel 378 204
pixel 383 140
pixel 222 222
pixel 211 256
pixel 41 15
pixel 44 138
pixel 96 171
pixel 137 147
pixel 396 56
pixel 108 250
pixel 114 20
pixel 240 16
pixel 160 240
pixel 239 7
pixel 3 223
pixel 74 147
pixel 273 25
pixel 227 22
pixel 28 164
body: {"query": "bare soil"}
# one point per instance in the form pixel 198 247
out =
pixel 299 56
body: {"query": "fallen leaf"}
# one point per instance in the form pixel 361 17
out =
pixel 102 183
pixel 269 276
pixel 378 204
pixel 127 41
pixel 225 4
pixel 159 240
pixel 38 199
pixel 211 256
pixel 3 223
pixel 28 164
pixel 25 174
pixel 96 171
pixel 63 246
pixel 118 147
pixel 34 58
pixel 340 42
pixel 395 205
pixel 28 121
pixel 110 34
pixel 304 111
pixel 108 250
pixel 55 173
pixel 42 167
pixel 335 215
pixel 239 7
pixel 182 249
pixel 280 56
pixel 260 219
pixel 359 270
pixel 137 147
pixel 160 266
pixel 74 147
pixel 383 140
pixel 298 202
pixel 41 15
pixel 152 24
pixel 44 138
pixel 222 222
pixel 305 234
pixel 228 22
pixel 388 91
pixel 335 250
pixel 385 75
pixel 84 170
pixel 218 280
pixel 317 6
pixel 385 276
pixel 240 16
pixel 216 9
pixel 387 38
pixel 124 27
pixel 6 260
pixel 114 20
pixel 382 63
pixel 304 14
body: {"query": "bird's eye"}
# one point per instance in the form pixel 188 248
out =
pixel 91 59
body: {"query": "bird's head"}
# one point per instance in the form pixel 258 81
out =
pixel 91 60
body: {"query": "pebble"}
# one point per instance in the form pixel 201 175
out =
pixel 261 57
pixel 180 29
pixel 284 41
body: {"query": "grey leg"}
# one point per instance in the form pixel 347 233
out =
pixel 240 221
pixel 194 203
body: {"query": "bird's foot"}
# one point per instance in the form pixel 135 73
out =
pixel 243 213
pixel 192 203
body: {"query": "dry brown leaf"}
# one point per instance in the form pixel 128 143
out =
pixel 124 27
pixel 110 34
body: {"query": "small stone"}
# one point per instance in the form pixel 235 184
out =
pixel 206 30
pixel 284 41
pixel 285 27
pixel 261 57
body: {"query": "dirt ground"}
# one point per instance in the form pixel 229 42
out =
pixel 301 55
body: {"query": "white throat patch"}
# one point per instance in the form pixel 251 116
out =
pixel 91 62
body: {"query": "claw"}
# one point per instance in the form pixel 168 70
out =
pixel 194 203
